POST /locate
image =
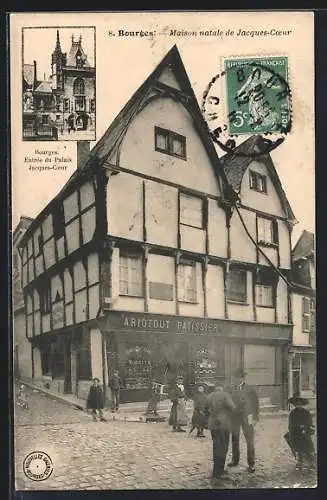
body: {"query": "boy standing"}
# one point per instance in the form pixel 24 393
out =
pixel 95 400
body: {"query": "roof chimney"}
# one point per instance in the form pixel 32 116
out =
pixel 34 74
pixel 83 152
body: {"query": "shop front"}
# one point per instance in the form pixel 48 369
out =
pixel 148 347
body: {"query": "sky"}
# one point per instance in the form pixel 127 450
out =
pixel 33 50
pixel 123 63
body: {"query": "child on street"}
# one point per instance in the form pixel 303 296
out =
pixel 200 412
pixel 300 431
pixel 95 400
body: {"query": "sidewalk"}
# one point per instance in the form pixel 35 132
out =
pixel 132 412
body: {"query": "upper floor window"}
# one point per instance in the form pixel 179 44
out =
pixel 258 182
pixel 79 87
pixel 130 275
pixel 58 221
pixel 191 210
pixel 267 231
pixel 308 314
pixel 170 142
pixel 45 297
pixel 187 281
pixel 264 288
pixel 236 285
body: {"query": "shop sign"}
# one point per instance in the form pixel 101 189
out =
pixel 168 324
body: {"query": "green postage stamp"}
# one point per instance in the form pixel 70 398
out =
pixel 258 95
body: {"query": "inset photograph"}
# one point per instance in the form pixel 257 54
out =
pixel 59 101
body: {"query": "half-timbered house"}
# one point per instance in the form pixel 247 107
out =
pixel 143 263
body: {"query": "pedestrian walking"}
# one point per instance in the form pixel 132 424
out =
pixel 300 431
pixel 95 400
pixel 115 385
pixel 200 411
pixel 178 416
pixel 246 416
pixel 221 407
pixel 22 398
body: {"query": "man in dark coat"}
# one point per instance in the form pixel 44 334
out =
pixel 115 385
pixel 200 411
pixel 300 431
pixel 246 416
pixel 220 408
pixel 95 400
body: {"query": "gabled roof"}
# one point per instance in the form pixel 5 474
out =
pixel 111 137
pixel 28 74
pixel 71 58
pixel 304 246
pixel 44 87
pixel 236 163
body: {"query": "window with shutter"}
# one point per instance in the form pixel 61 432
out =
pixel 267 231
pixel 236 285
pixel 130 275
pixel 306 312
pixel 187 282
pixel 265 283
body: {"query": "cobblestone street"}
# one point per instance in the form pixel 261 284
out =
pixel 130 455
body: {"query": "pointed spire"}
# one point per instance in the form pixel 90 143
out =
pixel 80 40
pixel 72 38
pixel 58 42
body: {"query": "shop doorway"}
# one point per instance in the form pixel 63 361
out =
pixel 68 366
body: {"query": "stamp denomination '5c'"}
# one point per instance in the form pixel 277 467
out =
pixel 258 96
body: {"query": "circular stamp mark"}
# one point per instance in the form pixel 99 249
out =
pixel 257 102
pixel 37 466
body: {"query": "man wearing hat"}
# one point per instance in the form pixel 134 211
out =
pixel 246 401
pixel 220 407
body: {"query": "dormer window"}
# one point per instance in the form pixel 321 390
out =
pixel 258 182
pixel 170 142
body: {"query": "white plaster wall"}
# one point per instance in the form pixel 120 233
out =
pixel 138 148
pixel 125 206
pixel 161 269
pixel 242 248
pixel 217 231
pixel 161 213
pixel 96 353
pixel 215 292
pixel 282 302
pixel 268 203
pixel 284 245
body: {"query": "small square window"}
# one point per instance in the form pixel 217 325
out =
pixel 258 182
pixel 170 143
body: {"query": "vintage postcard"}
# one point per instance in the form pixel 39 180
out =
pixel 163 250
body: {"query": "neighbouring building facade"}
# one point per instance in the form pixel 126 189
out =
pixel 22 348
pixel 64 102
pixel 302 361
pixel 143 263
